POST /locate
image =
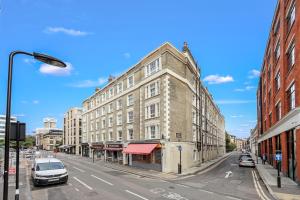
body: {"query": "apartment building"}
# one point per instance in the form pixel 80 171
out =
pixel 72 131
pixel 49 136
pixel 2 125
pixel 278 94
pixel 142 117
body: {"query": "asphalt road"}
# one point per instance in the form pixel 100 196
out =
pixel 89 181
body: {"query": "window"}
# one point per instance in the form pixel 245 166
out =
pixel 130 100
pixel 130 81
pixel 111 92
pixel 119 119
pixel 119 104
pixel 119 135
pixel 277 81
pixel 130 134
pixel 130 117
pixel 152 111
pixel 97 113
pixel 152 67
pixel 291 56
pixel 277 51
pixel 110 136
pixel 194 116
pixel 291 97
pixel 269 72
pixel 152 131
pixel 110 121
pixel 91 126
pixel 278 111
pixel 103 110
pixel 152 89
pixel 269 97
pixel 291 16
pixel 103 97
pixel 103 136
pixel 103 123
pixel 119 87
pixel 276 28
pixel 110 107
pixel 270 119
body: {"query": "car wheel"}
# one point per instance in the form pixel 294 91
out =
pixel 35 183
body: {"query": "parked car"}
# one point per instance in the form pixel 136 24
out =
pixel 245 155
pixel 47 171
pixel 245 161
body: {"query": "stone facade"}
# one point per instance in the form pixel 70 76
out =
pixel 72 131
pixel 159 101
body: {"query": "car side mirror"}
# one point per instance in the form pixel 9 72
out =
pixel 32 169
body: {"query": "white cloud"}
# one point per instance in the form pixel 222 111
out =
pixel 71 32
pixel 29 61
pixel 247 88
pixel 35 101
pixel 236 116
pixel 127 55
pixel 89 83
pixel 216 79
pixel 253 74
pixel 24 102
pixel 19 115
pixel 57 71
pixel 222 102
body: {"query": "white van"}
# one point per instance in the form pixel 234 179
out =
pixel 48 171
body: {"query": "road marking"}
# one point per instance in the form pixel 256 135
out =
pixel 258 184
pixel 234 198
pixel 100 179
pixel 258 192
pixel 182 185
pixel 209 192
pixel 84 184
pixel 77 189
pixel 229 173
pixel 79 169
pixel 70 184
pixel 136 195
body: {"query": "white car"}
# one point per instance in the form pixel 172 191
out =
pixel 47 171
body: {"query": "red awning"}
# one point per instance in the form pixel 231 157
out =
pixel 143 149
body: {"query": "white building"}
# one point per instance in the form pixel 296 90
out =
pixel 2 125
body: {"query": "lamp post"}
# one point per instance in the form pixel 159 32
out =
pixel 41 57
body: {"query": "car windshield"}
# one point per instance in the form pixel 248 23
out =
pixel 49 166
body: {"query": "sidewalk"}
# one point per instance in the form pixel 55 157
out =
pixel 153 173
pixel 289 189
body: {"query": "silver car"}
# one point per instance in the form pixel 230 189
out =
pixel 245 161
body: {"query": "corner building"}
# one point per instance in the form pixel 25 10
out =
pixel 278 94
pixel 141 117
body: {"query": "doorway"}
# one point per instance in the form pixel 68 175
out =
pixel 291 154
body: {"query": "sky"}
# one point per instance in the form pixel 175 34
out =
pixel 99 38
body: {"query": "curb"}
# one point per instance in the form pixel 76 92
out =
pixel 268 187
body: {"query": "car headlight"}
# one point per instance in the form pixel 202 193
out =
pixel 37 175
pixel 66 173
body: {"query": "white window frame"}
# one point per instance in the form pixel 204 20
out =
pixel 119 104
pixel 128 135
pixel 119 87
pixel 119 138
pixel 119 119
pixel 153 67
pixel 128 83
pixel 110 121
pixel 128 117
pixel 130 101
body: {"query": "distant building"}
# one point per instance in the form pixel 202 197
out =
pixel 47 137
pixel 232 139
pixel 241 144
pixel 72 131
pixel 2 125
pixel 253 141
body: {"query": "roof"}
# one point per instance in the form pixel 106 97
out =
pixel 46 160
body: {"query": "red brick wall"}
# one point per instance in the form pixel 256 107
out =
pixel 284 163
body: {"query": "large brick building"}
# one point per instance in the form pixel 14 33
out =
pixel 141 117
pixel 278 94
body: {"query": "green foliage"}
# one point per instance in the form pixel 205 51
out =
pixel 229 146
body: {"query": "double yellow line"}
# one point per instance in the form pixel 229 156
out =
pixel 258 187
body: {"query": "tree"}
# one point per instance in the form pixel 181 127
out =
pixel 229 145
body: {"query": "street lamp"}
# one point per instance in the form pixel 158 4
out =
pixel 43 58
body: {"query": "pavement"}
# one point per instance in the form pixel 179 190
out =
pixel 289 190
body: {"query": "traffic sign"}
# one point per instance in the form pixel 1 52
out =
pixel 278 157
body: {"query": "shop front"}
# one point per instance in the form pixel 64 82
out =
pixel 85 149
pixel 143 155
pixel 113 152
pixel 98 150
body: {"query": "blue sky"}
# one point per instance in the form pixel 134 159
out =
pixel 227 38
